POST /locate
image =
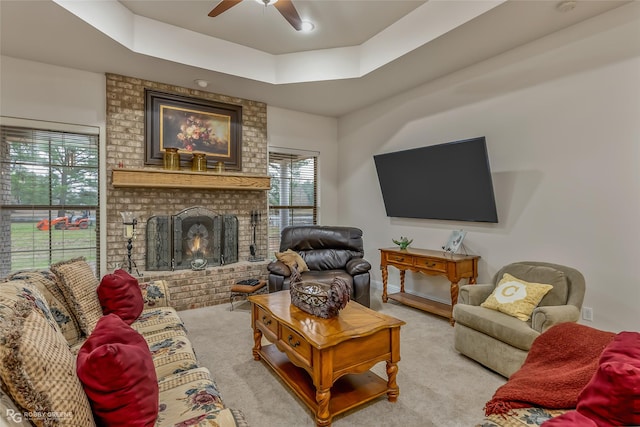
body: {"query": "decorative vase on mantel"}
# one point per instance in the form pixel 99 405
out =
pixel 171 159
pixel 199 162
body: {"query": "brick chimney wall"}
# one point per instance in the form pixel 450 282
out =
pixel 125 147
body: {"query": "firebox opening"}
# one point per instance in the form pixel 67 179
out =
pixel 194 238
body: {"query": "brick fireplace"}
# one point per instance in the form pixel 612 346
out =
pixel 188 288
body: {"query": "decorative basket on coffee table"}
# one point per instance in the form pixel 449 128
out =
pixel 320 299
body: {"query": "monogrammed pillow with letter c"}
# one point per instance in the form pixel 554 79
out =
pixel 516 297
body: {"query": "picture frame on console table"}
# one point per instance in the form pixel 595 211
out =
pixel 454 243
pixel 192 125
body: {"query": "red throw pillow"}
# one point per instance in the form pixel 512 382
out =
pixel 116 371
pixel 120 293
pixel 612 396
pixel 570 419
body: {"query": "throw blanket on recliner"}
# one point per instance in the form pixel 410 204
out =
pixel 559 365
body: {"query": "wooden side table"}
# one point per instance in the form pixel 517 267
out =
pixel 238 290
pixel 436 263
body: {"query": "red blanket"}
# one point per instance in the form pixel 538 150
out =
pixel 559 365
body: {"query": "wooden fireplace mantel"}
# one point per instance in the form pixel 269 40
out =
pixel 161 178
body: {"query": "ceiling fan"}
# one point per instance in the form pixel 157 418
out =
pixel 285 7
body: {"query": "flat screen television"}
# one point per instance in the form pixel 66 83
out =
pixel 449 181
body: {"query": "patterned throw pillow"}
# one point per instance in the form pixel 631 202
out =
pixel 45 281
pixel 14 292
pixel 36 366
pixel 155 294
pixel 292 259
pixel 152 321
pixel 516 297
pixel 79 284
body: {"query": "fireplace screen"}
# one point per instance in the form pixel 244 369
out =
pixel 194 238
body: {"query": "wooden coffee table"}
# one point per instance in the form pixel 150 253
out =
pixel 326 362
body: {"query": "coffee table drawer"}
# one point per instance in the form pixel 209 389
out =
pixel 267 321
pixel 296 343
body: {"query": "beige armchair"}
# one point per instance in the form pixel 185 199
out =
pixel 502 342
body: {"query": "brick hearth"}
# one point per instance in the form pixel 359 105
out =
pixel 195 289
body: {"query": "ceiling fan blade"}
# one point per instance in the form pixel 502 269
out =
pixel 288 10
pixel 223 6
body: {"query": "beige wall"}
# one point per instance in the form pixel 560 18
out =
pixel 37 91
pixel 561 120
pixel 296 130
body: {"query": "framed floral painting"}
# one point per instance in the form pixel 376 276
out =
pixel 192 125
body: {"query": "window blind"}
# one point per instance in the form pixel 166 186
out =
pixel 48 197
pixel 293 193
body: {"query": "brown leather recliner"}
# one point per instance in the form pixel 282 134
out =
pixel 329 252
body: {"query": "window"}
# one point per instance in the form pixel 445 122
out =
pixel 48 195
pixel 293 195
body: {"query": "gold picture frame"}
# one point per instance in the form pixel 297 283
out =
pixel 192 125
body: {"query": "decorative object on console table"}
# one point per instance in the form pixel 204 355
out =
pixel 192 125
pixel 453 267
pixel 404 242
pixel 454 243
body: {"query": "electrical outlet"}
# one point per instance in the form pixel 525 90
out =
pixel 587 314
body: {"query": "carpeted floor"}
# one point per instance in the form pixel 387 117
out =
pixel 438 386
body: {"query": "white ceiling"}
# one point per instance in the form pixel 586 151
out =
pixel 406 52
pixel 338 23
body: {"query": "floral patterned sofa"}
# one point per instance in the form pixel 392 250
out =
pixel 78 351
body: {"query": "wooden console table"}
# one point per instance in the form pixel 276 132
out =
pixel 453 267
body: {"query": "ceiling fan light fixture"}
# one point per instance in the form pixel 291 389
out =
pixel 307 26
pixel 266 2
